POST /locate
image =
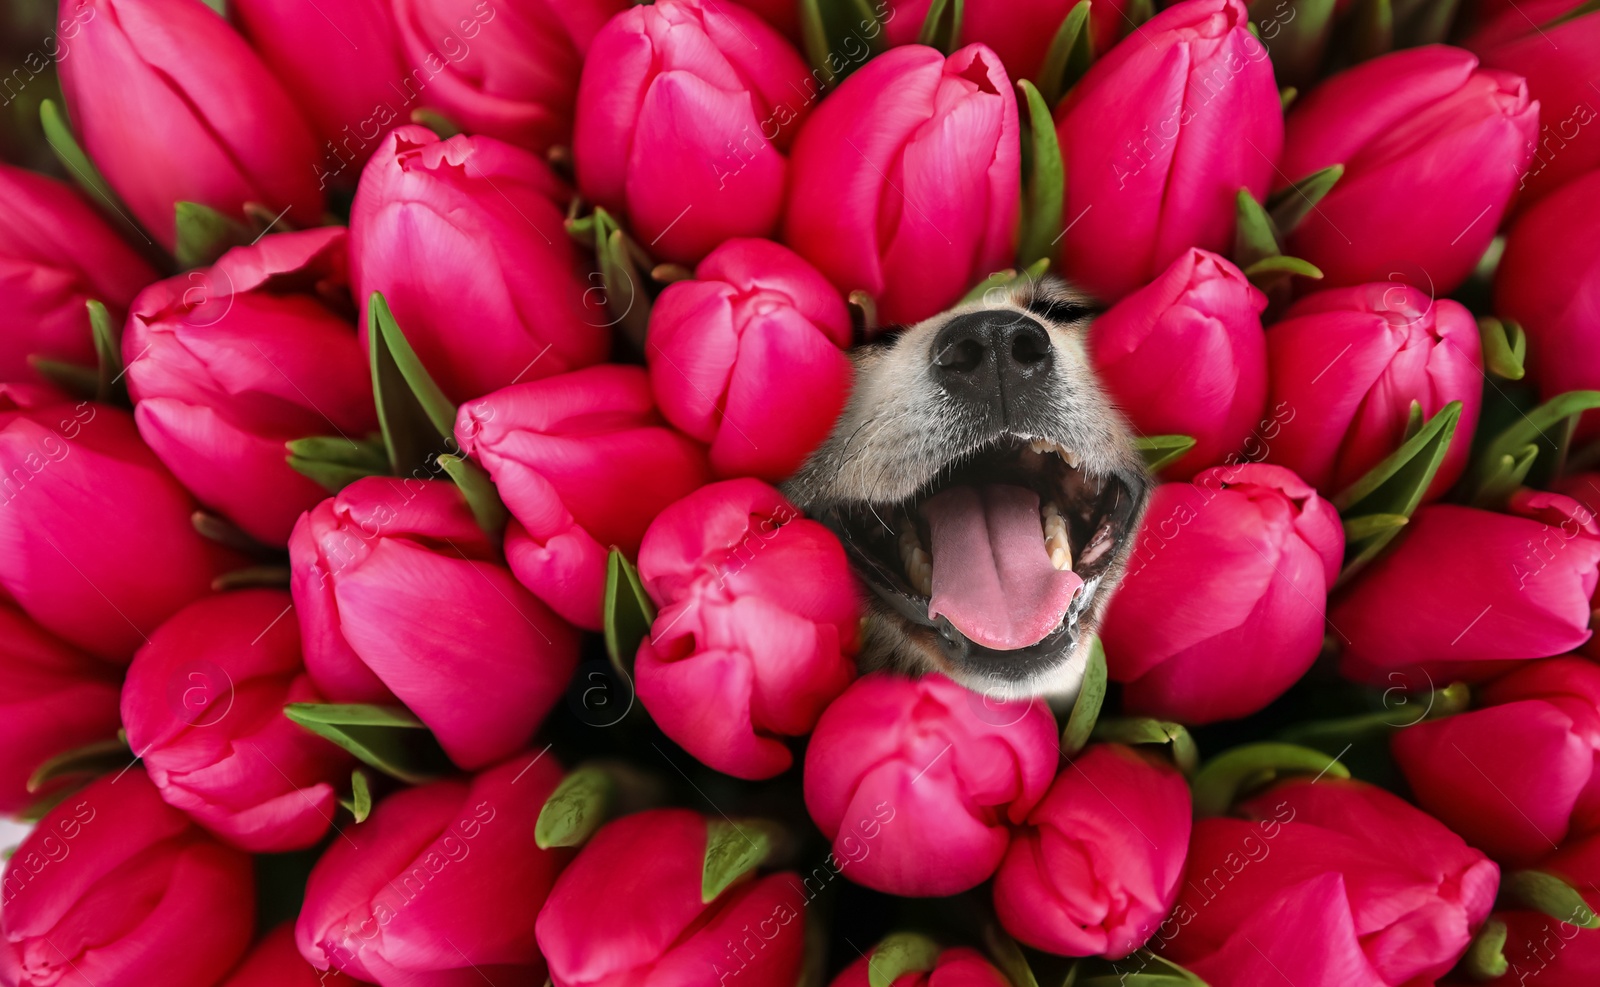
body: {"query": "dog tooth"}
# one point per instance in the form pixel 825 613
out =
pixel 1061 558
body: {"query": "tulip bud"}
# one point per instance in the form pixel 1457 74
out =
pixel 1516 776
pixel 1020 33
pixel 1465 593
pixel 116 887
pixel 633 909
pixel 99 548
pixel 952 968
pixel 685 110
pixel 1185 355
pixel 342 67
pixel 53 699
pixel 203 707
pixel 465 240
pixel 906 180
pixel 1549 282
pixel 1351 362
pixel 1222 607
pixel 1096 866
pixel 276 962
pixel 1555 951
pixel 1158 139
pixel 756 627
pixel 225 366
pixel 915 780
pixel 749 358
pixel 55 255
pixel 583 462
pixel 1557 54
pixel 440 883
pixel 1432 149
pixel 1327 883
pixel 401 595
pixel 508 71
pixel 172 105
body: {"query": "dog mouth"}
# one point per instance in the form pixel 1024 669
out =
pixel 1002 552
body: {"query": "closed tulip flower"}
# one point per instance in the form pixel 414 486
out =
pixel 906 179
pixel 1222 608
pixel 53 699
pixel 203 706
pixel 1327 883
pixel 1516 776
pixel 1466 592
pixel 440 884
pixel 953 968
pixel 917 781
pixel 1558 953
pixel 630 910
pixel 1432 148
pixel 56 254
pixel 172 105
pixel 1096 866
pixel 114 888
pixel 1185 355
pixel 756 629
pixel 400 595
pixel 465 239
pixel 225 366
pixel 685 112
pixel 96 542
pixel 1549 282
pixel 275 961
pixel 1352 361
pixel 1157 140
pixel 509 71
pixel 1020 33
pixel 584 462
pixel 749 358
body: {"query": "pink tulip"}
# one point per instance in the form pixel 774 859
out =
pixel 508 71
pixel 276 962
pixel 1222 608
pixel 440 884
pixel 53 699
pixel 916 781
pixel 1557 55
pixel 906 180
pixel 1351 362
pixel 1020 33
pixel 465 239
pixel 1433 148
pixel 1096 867
pixel 955 968
pixel 749 358
pixel 583 462
pixel 203 706
pixel 1327 883
pixel 1464 593
pixel 225 366
pixel 400 595
pixel 1158 138
pixel 1185 355
pixel 685 112
pixel 1514 776
pixel 96 542
pixel 1549 282
pixel 114 887
pixel 756 628
pixel 172 105
pixel 1548 951
pixel 56 254
pixel 630 910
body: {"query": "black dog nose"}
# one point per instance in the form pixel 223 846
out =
pixel 1000 360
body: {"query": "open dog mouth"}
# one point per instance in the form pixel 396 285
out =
pixel 1002 552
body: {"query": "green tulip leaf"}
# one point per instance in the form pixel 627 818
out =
pixel 80 382
pixel 1486 959
pixel 335 461
pixel 84 762
pixel 108 352
pixel 1286 97
pixel 1069 56
pixel 1008 957
pixel 389 738
pixel 898 955
pixel 480 493
pixel 1226 778
pixel 71 155
pixel 941 29
pixel 840 36
pixel 252 577
pixel 576 809
pixel 1296 34
pixel 440 411
pixel 1091 697
pixel 1581 10
pixel 1543 892
pixel 214 527
pixel 1044 180
pixel 442 126
pixel 1371 31
pixel 1359 529
pixel 627 611
pixel 1397 484
pixel 1545 430
pixel 204 234
pixel 1505 347
pixel 360 801
pixel 732 853
pixel 1332 736
pixel 1255 238
pixel 1004 279
pixel 1427 22
pixel 1160 451
pixel 1280 266
pixel 415 416
pixel 1136 730
pixel 1291 205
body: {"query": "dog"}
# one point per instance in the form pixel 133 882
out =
pixel 986 490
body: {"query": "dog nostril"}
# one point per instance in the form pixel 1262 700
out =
pixel 1029 348
pixel 961 356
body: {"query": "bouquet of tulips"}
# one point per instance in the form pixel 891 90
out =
pixel 398 586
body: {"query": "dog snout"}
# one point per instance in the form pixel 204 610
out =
pixel 993 360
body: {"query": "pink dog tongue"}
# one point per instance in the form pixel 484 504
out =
pixel 992 577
